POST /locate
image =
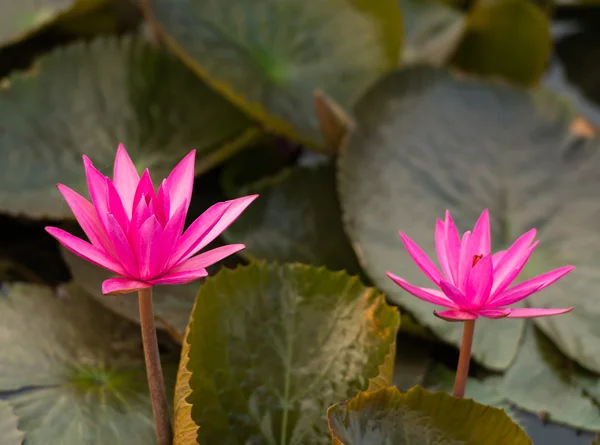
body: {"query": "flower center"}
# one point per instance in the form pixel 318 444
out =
pixel 476 258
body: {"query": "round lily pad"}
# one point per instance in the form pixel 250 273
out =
pixel 9 431
pixel 115 90
pixel 73 371
pixel 427 141
pixel 269 56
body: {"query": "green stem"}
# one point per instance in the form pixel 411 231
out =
pixel 462 370
pixel 156 383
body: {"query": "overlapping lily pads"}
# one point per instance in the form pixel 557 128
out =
pixel 269 56
pixel 114 91
pixel 427 141
pixel 286 342
pixel 74 372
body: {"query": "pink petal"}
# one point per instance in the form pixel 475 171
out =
pixel 496 257
pixel 115 206
pixel 208 258
pixel 162 205
pixel 422 293
pixel 480 238
pixel 140 214
pixel 465 263
pixel 86 216
pixel 145 188
pixel 125 178
pixel 510 259
pixel 122 286
pixel 182 277
pixel 85 250
pixel 421 259
pixel 479 282
pixel 528 287
pixel 440 247
pixel 122 247
pixel 455 315
pixel 97 187
pixel 180 182
pixel 510 269
pixel 455 295
pixel 452 246
pixel 530 312
pixel 494 313
pixel 170 235
pixel 150 249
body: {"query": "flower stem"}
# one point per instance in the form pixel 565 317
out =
pixel 156 382
pixel 462 370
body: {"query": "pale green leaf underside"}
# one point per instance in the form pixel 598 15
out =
pixel 286 342
pixel 9 430
pixel 114 91
pixel 427 142
pixel 269 56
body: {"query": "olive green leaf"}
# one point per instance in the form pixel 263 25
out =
pixel 425 142
pixel 596 440
pixel 296 219
pixel 73 372
pixel 114 91
pixel 270 347
pixel 9 431
pixel 269 56
pixel 506 38
pixel 419 417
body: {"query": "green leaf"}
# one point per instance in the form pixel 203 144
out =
pixel 544 380
pixel 596 440
pixel 432 31
pixel 425 142
pixel 114 91
pixel 74 371
pixel 506 38
pixel 270 347
pixel 296 219
pixel 9 430
pixel 269 56
pixel 419 417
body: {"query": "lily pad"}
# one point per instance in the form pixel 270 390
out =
pixel 426 142
pixel 269 56
pixel 506 38
pixel 9 431
pixel 296 219
pixel 270 347
pixel 114 91
pixel 419 417
pixel 73 372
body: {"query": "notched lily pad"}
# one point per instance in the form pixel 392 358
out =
pixel 271 347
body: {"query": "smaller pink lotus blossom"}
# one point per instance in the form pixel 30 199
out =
pixel 137 232
pixel 473 282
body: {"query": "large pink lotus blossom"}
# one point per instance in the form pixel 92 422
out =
pixel 137 232
pixel 473 282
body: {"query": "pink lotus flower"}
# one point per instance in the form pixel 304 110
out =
pixel 136 232
pixel 475 282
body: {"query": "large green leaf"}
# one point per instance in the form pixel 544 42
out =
pixel 269 56
pixel 427 141
pixel 506 38
pixel 114 91
pixel 296 219
pixel 419 417
pixel 9 431
pixel 270 347
pixel 74 371
pixel 544 380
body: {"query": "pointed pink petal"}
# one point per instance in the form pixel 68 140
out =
pixel 480 238
pixel 150 249
pixel 452 247
pixel 440 247
pixel 122 286
pixel 528 287
pixel 85 250
pixel 421 259
pixel 455 295
pixel 122 247
pixel 511 267
pixel 115 206
pixel 530 312
pixel 145 188
pixel 455 315
pixel 162 205
pixel 421 293
pixel 174 227
pixel 494 313
pixel 98 190
pixel 496 257
pixel 208 258
pixel 465 263
pixel 479 282
pixel 180 182
pixel 87 218
pixel 182 277
pixel 140 214
pixel 512 256
pixel 125 178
